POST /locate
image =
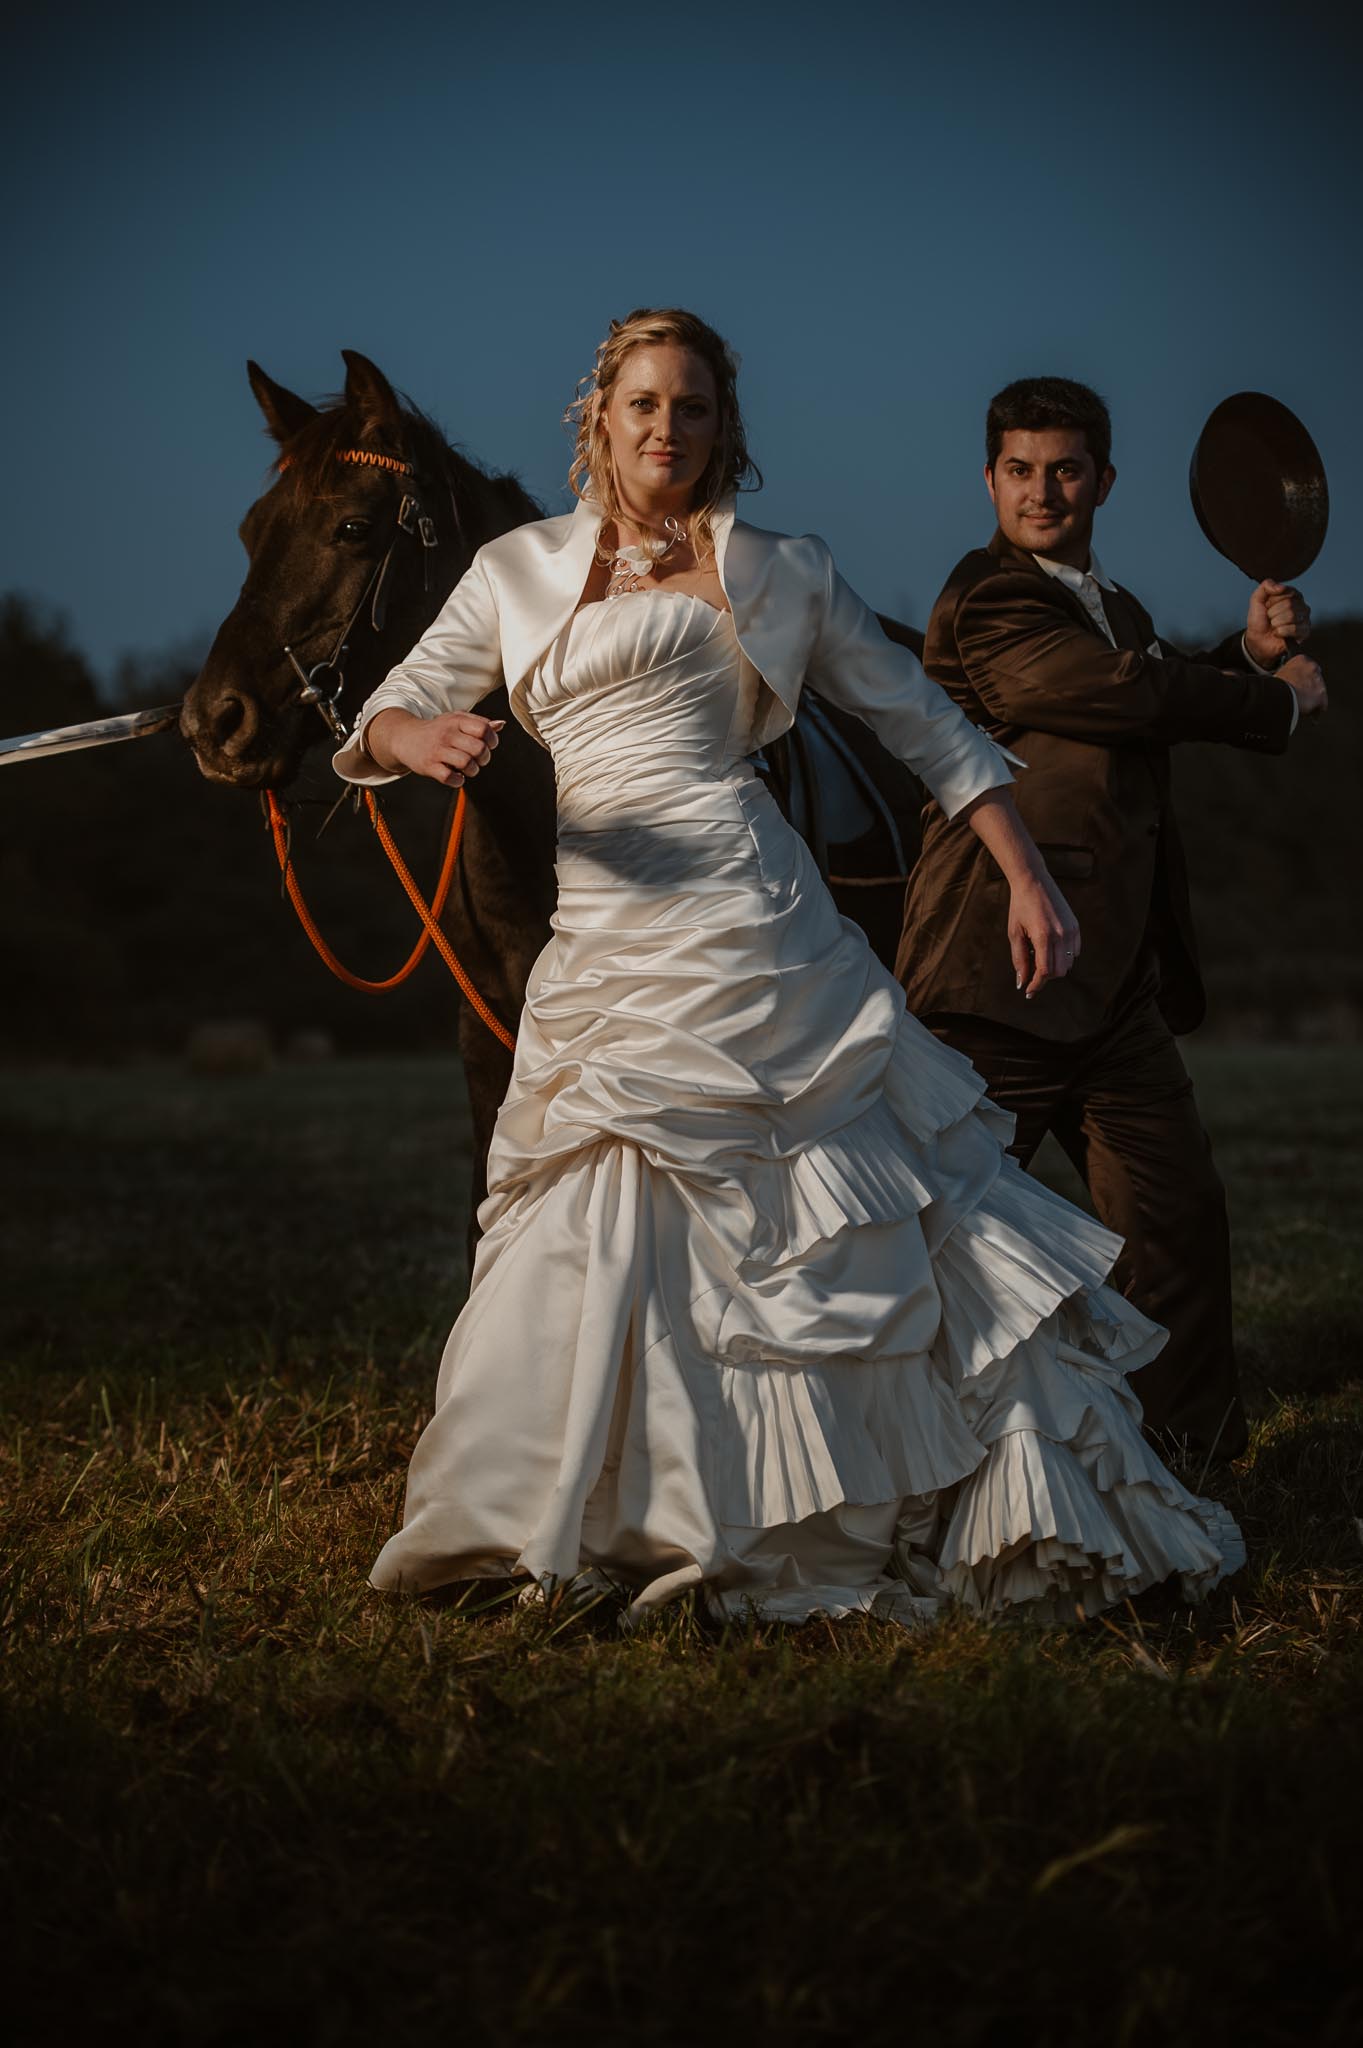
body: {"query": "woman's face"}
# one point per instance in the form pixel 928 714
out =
pixel 662 421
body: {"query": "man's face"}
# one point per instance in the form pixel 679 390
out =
pixel 1046 490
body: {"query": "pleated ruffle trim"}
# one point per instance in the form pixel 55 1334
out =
pixel 1012 1440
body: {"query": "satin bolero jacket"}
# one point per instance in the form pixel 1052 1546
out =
pixel 795 619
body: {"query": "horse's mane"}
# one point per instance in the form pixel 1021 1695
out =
pixel 308 458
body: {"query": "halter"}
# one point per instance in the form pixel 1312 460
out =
pixel 411 519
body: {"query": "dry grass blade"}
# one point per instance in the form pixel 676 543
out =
pixel 1117 1842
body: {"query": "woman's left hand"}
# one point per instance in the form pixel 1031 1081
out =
pixel 1043 932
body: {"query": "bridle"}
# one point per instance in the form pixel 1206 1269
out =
pixel 414 521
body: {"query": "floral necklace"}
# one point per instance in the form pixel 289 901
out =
pixel 629 566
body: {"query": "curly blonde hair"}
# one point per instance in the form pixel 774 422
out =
pixel 730 468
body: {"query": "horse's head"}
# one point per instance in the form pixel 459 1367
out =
pixel 352 549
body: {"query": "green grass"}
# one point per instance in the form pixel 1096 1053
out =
pixel 245 1797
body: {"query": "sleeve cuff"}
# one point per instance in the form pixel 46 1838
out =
pixel 986 767
pixel 1259 670
pixel 354 763
pixel 1257 667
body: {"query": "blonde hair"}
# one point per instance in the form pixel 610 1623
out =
pixel 730 467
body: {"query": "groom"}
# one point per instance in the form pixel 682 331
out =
pixel 1040 647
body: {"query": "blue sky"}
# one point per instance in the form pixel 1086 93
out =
pixel 889 212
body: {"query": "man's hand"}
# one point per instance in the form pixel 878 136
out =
pixel 1309 684
pixel 1277 614
pixel 1043 932
pixel 448 748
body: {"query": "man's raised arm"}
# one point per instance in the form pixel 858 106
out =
pixel 1031 664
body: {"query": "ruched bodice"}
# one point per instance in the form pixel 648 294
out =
pixel 646 704
pixel 677 696
pixel 761 1303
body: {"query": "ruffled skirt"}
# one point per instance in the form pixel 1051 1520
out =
pixel 762 1306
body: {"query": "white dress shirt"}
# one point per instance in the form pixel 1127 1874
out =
pixel 1088 584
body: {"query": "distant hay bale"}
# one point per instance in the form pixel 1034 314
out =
pixel 309 1048
pixel 229 1045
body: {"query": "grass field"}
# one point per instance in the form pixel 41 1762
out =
pixel 246 1799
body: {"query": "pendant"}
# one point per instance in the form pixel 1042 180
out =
pixel 629 566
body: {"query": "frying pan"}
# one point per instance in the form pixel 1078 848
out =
pixel 1258 487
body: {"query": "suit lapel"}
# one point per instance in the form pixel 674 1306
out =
pixel 1010 557
pixel 1127 628
pixel 1131 626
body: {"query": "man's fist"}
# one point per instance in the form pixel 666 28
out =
pixel 1277 614
pixel 448 748
pixel 1308 682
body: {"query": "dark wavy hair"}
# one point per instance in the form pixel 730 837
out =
pixel 1033 404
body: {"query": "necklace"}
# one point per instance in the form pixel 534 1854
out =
pixel 629 566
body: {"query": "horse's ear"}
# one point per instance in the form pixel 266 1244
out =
pixel 369 392
pixel 285 412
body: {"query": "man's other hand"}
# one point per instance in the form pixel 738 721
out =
pixel 1306 679
pixel 1277 614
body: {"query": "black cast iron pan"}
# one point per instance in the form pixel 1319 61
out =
pixel 1258 487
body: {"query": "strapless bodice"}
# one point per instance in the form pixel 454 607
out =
pixel 642 696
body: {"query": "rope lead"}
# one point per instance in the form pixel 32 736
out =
pixel 429 913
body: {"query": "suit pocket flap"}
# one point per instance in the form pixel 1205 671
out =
pixel 1069 863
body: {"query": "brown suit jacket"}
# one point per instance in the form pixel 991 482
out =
pixel 1021 656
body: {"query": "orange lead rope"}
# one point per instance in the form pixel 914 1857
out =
pixel 428 913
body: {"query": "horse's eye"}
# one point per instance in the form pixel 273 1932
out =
pixel 353 529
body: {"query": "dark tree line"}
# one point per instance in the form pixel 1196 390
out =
pixel 140 901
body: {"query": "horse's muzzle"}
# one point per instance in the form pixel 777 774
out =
pixel 231 746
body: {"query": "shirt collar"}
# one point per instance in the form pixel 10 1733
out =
pixel 1075 579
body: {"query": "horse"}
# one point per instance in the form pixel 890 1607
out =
pixel 370 519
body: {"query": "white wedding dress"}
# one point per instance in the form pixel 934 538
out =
pixel 761 1305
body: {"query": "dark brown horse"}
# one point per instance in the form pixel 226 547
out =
pixel 335 579
pixel 369 523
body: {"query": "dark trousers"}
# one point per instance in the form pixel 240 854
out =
pixel 1121 1106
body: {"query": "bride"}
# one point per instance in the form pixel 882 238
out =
pixel 761 1305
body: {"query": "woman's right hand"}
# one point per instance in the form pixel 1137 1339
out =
pixel 448 749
